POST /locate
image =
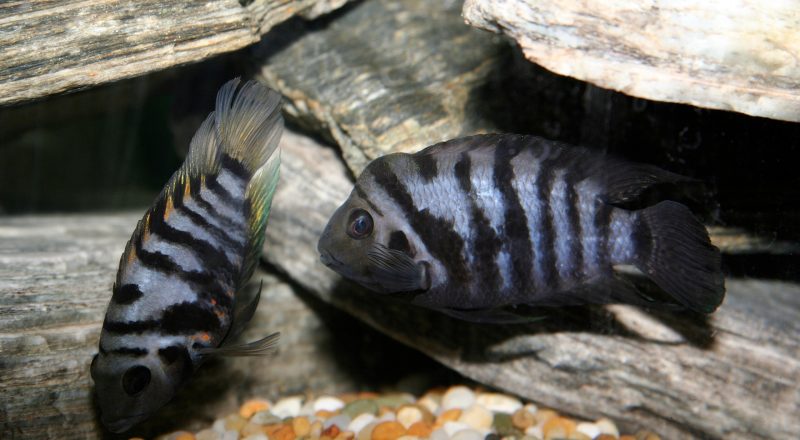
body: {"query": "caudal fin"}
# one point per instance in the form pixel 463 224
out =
pixel 675 252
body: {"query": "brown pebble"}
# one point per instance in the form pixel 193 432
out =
pixel 345 435
pixel 253 406
pixel 523 419
pixel 270 429
pixel 316 429
pixel 605 437
pixel 332 431
pixel 285 432
pixel 388 431
pixel 420 429
pixel 185 436
pixel 235 422
pixel 451 415
pixel 324 415
pixel 543 415
pixel 368 395
pixel 251 428
pixel 647 435
pixel 627 437
pixel 558 427
pixel 301 426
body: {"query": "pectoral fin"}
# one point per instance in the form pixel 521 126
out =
pixel 395 271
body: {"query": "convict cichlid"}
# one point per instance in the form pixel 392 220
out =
pixel 176 298
pixel 474 225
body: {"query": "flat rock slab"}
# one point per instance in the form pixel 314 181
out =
pixel 382 76
pixel 54 46
pixel 740 57
pixel 732 375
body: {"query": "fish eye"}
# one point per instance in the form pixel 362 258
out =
pixel 360 225
pixel 135 379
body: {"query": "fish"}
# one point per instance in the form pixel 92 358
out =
pixel 177 299
pixel 483 226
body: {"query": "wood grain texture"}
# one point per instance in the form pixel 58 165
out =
pixel 739 56
pixel 733 375
pixel 52 46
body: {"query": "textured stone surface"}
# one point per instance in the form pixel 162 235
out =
pixel 679 375
pixel 54 46
pixel 738 56
pixel 383 76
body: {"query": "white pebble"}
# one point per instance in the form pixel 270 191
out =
pixel 439 434
pixel 230 435
pixel 607 427
pixel 360 422
pixel 256 437
pixel 208 434
pixel 341 420
pixel 219 425
pixel 408 415
pixel 386 417
pixel 328 403
pixel 307 409
pixel 590 429
pixel 499 403
pixel 477 417
pixel 467 434
pixel 408 437
pixel 453 427
pixel 531 408
pixel 288 407
pixel 458 397
pixel 534 431
pixel 429 403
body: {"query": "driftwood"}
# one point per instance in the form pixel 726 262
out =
pixel 56 46
pixel 740 57
pixel 397 75
pixel 732 375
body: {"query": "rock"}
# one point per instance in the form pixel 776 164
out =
pixel 288 407
pixel 266 418
pixel 478 417
pixel 398 76
pixel 360 406
pixel 458 397
pixel 253 406
pixel 467 434
pixel 328 403
pixel 745 62
pixel 409 415
pixel 388 431
pixel 359 422
pixel 52 48
pixel 497 402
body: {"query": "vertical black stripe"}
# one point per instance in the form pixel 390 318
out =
pixel 544 186
pixel 515 226
pixel 486 245
pixel 126 294
pixel 436 234
pixel 574 223
pixel 426 165
pixel 602 224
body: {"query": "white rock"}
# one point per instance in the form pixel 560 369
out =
pixel 408 415
pixel 453 427
pixel 360 422
pixel 467 434
pixel 307 409
pixel 288 407
pixel 497 402
pixel 341 420
pixel 590 429
pixel 458 397
pixel 477 417
pixel 607 427
pixel 439 434
pixel 208 434
pixel 256 437
pixel 328 403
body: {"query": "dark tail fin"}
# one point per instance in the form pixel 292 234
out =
pixel 673 249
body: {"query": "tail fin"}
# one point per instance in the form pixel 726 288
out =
pixel 674 250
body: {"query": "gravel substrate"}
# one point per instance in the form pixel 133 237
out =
pixel 456 413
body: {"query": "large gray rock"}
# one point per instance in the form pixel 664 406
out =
pixel 56 46
pixel 740 57
pixel 383 76
pixel 732 375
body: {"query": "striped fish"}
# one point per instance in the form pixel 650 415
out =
pixel 174 302
pixel 477 226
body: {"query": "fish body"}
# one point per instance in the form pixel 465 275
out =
pixel 174 301
pixel 484 222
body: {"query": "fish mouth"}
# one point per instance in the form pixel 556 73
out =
pixel 328 259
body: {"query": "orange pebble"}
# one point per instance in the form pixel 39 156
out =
pixel 324 415
pixel 523 419
pixel 420 429
pixel 271 429
pixel 605 437
pixel 285 432
pixel 253 406
pixel 627 437
pixel 543 415
pixel 345 435
pixel 185 436
pixel 558 427
pixel 301 426
pixel 332 431
pixel 451 415
pixel 388 431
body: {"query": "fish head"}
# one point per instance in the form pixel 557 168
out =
pixel 367 243
pixel 130 389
